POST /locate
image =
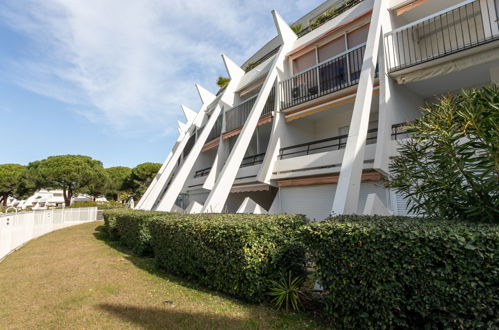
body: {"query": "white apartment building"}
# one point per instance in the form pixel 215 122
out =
pixel 310 126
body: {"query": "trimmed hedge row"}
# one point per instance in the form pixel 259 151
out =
pixel 386 272
pixel 238 254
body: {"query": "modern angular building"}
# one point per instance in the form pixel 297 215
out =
pixel 309 123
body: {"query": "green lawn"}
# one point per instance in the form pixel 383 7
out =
pixel 75 278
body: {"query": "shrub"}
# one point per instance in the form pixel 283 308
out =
pixel 238 254
pixel 100 205
pixel 450 166
pixel 110 217
pixel 133 230
pixel 392 272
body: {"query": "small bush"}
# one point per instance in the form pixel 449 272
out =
pixel 238 254
pixel 393 272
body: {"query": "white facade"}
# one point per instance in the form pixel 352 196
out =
pixel 310 128
pixel 45 199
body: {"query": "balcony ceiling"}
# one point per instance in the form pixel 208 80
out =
pixel 472 77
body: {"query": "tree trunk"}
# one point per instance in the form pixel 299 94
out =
pixel 3 199
pixel 67 197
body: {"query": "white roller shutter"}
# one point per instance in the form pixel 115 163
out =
pixel 314 201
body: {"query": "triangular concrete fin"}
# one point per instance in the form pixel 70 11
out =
pixel 283 28
pixel 182 127
pixel 232 68
pixel 205 95
pixel 188 113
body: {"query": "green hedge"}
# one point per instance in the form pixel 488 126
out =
pixel 238 254
pixel 110 217
pixel 133 230
pixel 386 272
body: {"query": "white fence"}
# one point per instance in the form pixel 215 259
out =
pixel 19 228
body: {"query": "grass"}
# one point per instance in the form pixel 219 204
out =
pixel 76 278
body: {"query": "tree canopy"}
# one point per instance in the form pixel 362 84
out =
pixel 117 178
pixel 449 168
pixel 141 177
pixel 9 174
pixel 71 173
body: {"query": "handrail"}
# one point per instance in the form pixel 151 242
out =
pixel 463 26
pixel 334 74
pixel 340 145
pixel 329 60
pixel 424 19
pixel 256 159
pixel 202 172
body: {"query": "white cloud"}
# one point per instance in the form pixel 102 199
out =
pixel 130 64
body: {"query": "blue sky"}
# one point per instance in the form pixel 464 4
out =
pixel 105 78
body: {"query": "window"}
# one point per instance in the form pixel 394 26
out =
pixel 357 37
pixel 304 62
pixel 331 49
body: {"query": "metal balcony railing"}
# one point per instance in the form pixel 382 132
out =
pixel 202 172
pixel 217 128
pixel 399 131
pixel 253 160
pixel 189 145
pixel 329 144
pixel 337 73
pixel 236 117
pixel 464 26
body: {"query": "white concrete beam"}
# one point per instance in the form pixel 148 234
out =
pixel 249 206
pixel 168 200
pixel 216 199
pixel 149 199
pixel 189 114
pixel 348 188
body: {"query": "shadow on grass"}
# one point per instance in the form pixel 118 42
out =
pixel 147 263
pixel 169 318
pixel 135 314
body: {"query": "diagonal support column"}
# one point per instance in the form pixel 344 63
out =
pixel 178 182
pixel 216 199
pixel 182 130
pixel 235 74
pixel 348 188
pixel 162 180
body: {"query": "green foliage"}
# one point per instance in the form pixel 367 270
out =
pixel 238 254
pixel 140 178
pixel 9 175
pixel 222 81
pixel 297 28
pixel 71 173
pixel 132 227
pixel 287 292
pixel 332 13
pixel 116 184
pixel 250 66
pixel 100 205
pixel 396 272
pixel 110 217
pixel 450 167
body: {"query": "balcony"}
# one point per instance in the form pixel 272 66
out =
pixel 202 172
pixel 217 128
pixel 253 160
pixel 236 117
pixel 335 74
pixel 455 29
pixel 324 145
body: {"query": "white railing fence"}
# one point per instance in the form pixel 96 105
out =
pixel 19 228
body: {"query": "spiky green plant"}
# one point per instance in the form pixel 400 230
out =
pixel 297 28
pixel 449 168
pixel 287 293
pixel 222 81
